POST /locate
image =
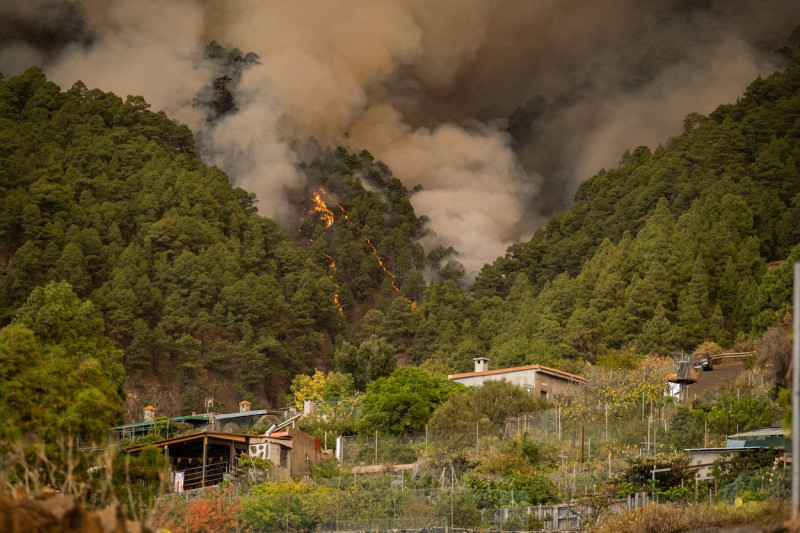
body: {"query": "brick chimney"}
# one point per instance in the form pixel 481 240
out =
pixel 244 406
pixel 149 413
pixel 481 364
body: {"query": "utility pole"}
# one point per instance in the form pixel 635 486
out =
pixel 558 420
pixel 796 397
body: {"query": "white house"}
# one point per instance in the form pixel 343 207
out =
pixel 549 384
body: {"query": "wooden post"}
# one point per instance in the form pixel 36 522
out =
pixel 205 458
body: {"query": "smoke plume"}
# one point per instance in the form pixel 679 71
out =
pixel 499 109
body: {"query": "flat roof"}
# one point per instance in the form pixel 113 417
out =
pixel 539 368
pixel 136 425
pixel 230 437
pixel 737 449
pixel 257 412
pixel 761 432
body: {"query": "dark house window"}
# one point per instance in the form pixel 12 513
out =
pixel 284 457
pixel 543 394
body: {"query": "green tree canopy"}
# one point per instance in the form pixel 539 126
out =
pixel 372 359
pixel 403 402
pixel 490 404
pixel 61 376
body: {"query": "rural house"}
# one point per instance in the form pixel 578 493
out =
pixel 549 384
pixel 207 457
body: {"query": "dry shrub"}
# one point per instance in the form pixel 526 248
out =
pixel 675 518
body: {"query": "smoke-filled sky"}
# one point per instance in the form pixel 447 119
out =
pixel 498 108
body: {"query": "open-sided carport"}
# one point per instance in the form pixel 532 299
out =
pixel 204 458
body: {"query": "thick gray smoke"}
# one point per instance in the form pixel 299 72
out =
pixel 427 86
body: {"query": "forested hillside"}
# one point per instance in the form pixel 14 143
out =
pixel 672 247
pixel 196 288
pixel 675 246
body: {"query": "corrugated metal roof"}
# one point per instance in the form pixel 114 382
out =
pixel 762 432
pixel 136 425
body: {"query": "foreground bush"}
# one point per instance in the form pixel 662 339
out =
pixel 674 518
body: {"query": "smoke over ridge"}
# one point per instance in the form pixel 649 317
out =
pixel 426 86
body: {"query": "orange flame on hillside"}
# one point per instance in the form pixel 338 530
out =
pixel 332 267
pixel 380 261
pixel 326 215
pixel 321 209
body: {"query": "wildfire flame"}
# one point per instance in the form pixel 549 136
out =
pixel 332 267
pixel 380 261
pixel 326 215
pixel 321 209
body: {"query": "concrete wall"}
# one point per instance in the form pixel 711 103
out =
pixel 553 389
pixel 548 387
pixel 290 460
pixel 521 378
pixel 305 451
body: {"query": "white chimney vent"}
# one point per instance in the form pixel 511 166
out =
pixel 149 413
pixel 244 406
pixel 308 406
pixel 481 364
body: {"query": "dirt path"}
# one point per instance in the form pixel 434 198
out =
pixel 721 376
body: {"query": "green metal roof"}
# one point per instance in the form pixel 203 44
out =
pixel 759 433
pixel 137 425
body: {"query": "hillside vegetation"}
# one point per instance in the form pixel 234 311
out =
pixel 676 246
pixel 192 283
pixel 682 244
pixel 196 288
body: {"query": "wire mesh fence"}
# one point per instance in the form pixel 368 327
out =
pixel 582 451
pixel 242 508
pixel 336 506
pixel 587 451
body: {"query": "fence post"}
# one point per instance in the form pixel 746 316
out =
pixel 452 522
pixel 236 503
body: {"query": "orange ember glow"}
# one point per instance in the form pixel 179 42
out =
pixel 321 209
pixel 332 267
pixel 380 262
pixel 411 302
